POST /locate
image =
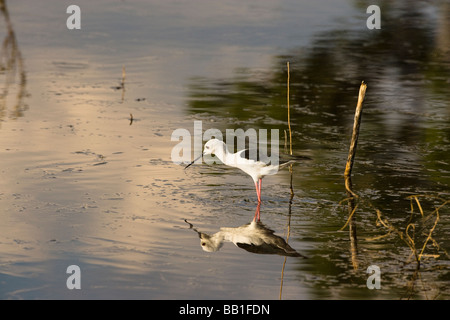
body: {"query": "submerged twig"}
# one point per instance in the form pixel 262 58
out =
pixel 418 204
pixel 429 235
pixel 352 212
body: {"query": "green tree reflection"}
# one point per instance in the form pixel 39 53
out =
pixel 11 70
pixel 405 134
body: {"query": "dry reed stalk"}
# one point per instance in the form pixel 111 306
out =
pixel 289 110
pixel 290 171
pixel 355 134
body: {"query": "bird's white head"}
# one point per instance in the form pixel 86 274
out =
pixel 213 146
pixel 211 243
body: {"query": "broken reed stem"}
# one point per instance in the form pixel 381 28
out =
pixel 355 134
pixel 348 180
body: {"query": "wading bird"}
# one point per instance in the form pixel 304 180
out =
pixel 256 169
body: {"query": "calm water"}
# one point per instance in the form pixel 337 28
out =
pixel 82 184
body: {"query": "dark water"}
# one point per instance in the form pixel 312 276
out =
pixel 82 184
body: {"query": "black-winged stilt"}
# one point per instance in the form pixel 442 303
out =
pixel 254 168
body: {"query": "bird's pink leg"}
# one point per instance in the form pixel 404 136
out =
pixel 258 191
pixel 260 184
pixel 257 212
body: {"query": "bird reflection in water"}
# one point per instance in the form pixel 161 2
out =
pixel 253 237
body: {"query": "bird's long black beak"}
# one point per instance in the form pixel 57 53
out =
pixel 193 161
pixel 191 226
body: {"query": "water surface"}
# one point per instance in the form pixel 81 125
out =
pixel 80 183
